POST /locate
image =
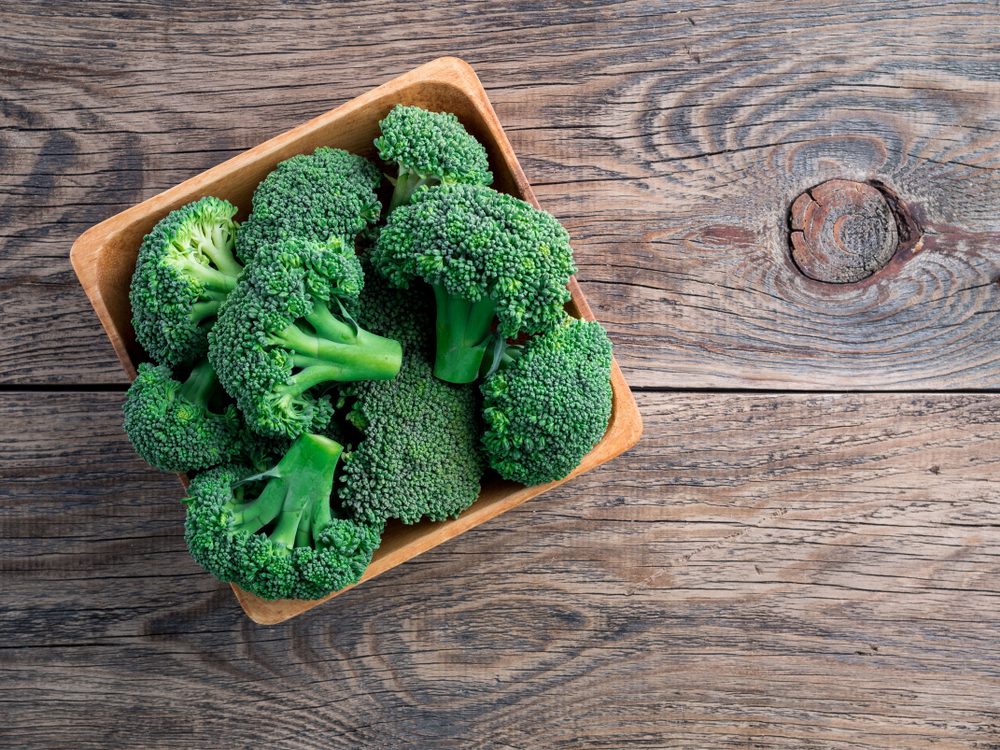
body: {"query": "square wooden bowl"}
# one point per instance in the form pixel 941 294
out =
pixel 104 257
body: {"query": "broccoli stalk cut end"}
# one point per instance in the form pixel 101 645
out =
pixel 297 496
pixel 463 331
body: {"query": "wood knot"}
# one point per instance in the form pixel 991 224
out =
pixel 843 231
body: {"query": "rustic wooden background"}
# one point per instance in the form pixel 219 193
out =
pixel 803 551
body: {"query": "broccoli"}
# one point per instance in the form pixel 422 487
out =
pixel 311 196
pixel 406 315
pixel 419 455
pixel 316 396
pixel 488 256
pixel 171 424
pixel 286 329
pixel 184 270
pixel 550 405
pixel 260 452
pixel 430 148
pixel 277 534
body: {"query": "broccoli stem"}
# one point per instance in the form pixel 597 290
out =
pixel 407 183
pixel 210 278
pixel 463 333
pixel 306 476
pixel 200 384
pixel 299 488
pixel 253 516
pixel 217 244
pixel 355 354
pixel 303 538
pixel 317 374
pixel 201 311
pixel 329 326
pixel 286 533
pixel 321 518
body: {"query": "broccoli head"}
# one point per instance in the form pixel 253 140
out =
pixel 419 454
pixel 172 425
pixel 430 148
pixel 314 197
pixel 184 271
pixel 277 534
pixel 548 407
pixel 489 257
pixel 286 331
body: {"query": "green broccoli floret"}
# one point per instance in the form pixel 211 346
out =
pixel 277 534
pixel 190 426
pixel 488 256
pixel 261 452
pixel 419 455
pixel 406 315
pixel 430 148
pixel 550 406
pixel 184 270
pixel 173 426
pixel 314 197
pixel 286 330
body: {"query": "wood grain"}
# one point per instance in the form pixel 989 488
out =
pixel 810 571
pixel 670 138
pixel 842 231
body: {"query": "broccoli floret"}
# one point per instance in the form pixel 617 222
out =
pixel 430 148
pixel 277 534
pixel 314 197
pixel 550 406
pixel 419 455
pixel 261 452
pixel 488 256
pixel 172 425
pixel 188 426
pixel 184 270
pixel 406 315
pixel 286 330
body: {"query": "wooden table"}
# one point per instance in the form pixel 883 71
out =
pixel 803 551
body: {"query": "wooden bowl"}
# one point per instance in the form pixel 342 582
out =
pixel 104 257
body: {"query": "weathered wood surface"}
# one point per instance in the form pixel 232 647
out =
pixel 669 137
pixel 809 571
pixel 812 571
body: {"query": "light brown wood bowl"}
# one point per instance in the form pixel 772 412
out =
pixel 104 257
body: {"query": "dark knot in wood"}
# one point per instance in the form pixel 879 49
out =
pixel 843 231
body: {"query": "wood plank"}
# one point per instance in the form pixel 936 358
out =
pixel 781 571
pixel 671 139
